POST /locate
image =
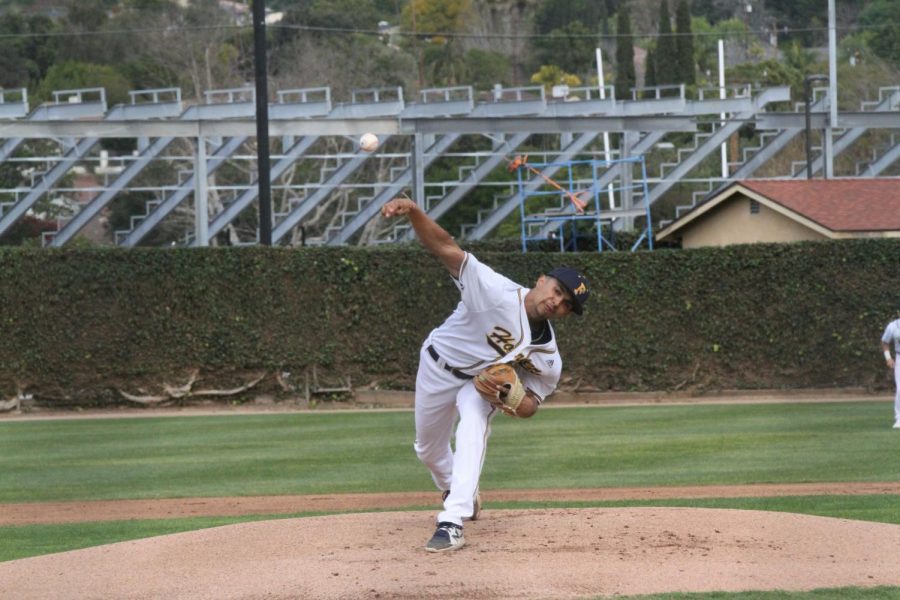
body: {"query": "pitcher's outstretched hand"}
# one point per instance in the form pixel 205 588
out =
pixel 397 206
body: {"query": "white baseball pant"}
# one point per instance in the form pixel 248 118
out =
pixel 897 388
pixel 441 397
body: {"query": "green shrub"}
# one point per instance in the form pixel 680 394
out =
pixel 78 323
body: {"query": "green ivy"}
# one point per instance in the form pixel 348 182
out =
pixel 76 323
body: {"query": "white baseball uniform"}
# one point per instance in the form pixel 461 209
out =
pixel 489 325
pixel 892 335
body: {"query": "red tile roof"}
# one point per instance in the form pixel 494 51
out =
pixel 837 204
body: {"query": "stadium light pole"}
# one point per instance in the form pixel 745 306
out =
pixel 807 90
pixel 262 123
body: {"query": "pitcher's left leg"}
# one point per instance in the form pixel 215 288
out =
pixel 472 434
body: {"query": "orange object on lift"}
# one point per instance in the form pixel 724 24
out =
pixel 522 161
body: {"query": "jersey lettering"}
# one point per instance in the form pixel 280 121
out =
pixel 526 363
pixel 501 341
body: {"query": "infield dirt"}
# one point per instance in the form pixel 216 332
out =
pixel 534 553
pixel 537 553
pixel 551 553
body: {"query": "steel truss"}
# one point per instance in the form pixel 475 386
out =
pixel 441 148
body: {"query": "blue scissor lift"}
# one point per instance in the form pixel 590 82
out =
pixel 606 191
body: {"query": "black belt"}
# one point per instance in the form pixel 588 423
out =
pixel 454 370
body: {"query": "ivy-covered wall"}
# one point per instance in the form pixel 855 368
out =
pixel 77 324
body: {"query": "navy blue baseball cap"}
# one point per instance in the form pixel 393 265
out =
pixel 575 283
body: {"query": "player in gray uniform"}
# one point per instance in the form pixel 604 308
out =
pixel 892 335
pixel 496 321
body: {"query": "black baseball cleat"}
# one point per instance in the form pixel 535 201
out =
pixel 476 506
pixel 447 536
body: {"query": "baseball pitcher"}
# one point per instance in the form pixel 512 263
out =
pixel 495 353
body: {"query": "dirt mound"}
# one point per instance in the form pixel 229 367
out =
pixel 555 553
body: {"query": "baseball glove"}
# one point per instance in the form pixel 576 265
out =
pixel 500 385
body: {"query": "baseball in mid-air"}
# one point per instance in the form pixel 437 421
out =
pixel 368 142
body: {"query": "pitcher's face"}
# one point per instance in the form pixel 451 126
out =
pixel 548 299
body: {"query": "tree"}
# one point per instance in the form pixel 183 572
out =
pixel 439 20
pixel 485 68
pixel 10 176
pixel 666 62
pixel 604 17
pixel 445 63
pixel 551 75
pixel 802 18
pixel 883 16
pixel 333 14
pixel 625 75
pixel 87 21
pixel 801 59
pixel 684 44
pixel 768 73
pixel 24 60
pixel 71 74
pixel 342 61
pixel 194 48
pixel 342 64
pixel 712 10
pixel 706 44
pixel 859 80
pixel 569 33
pixel 553 15
pixel 571 47
pixel 650 68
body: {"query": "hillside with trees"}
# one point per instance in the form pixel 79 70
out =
pixel 200 45
pixel 207 44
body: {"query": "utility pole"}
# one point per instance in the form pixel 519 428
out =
pixel 262 123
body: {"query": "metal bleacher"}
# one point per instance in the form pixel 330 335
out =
pixel 193 163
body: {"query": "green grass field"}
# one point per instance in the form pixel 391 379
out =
pixel 314 453
pixel 879 593
pixel 311 453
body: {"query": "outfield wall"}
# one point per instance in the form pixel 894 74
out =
pixel 80 325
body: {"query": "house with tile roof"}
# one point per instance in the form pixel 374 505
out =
pixel 790 210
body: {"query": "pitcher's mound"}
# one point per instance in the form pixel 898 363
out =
pixel 555 553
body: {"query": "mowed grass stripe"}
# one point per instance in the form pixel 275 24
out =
pixel 846 593
pixel 315 453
